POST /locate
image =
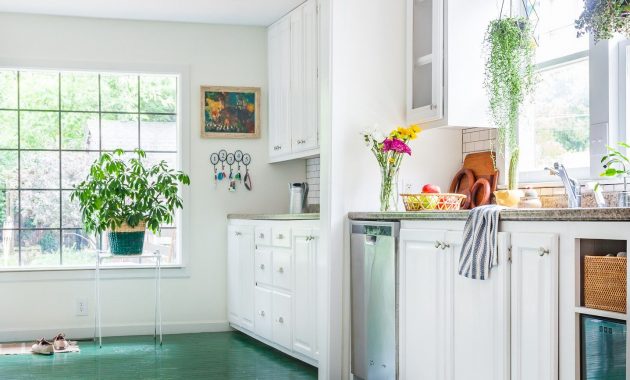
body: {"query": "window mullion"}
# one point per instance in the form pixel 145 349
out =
pixel 60 168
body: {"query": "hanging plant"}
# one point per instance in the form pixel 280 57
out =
pixel 604 18
pixel 509 79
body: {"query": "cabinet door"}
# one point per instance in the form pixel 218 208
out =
pixel 304 292
pixel 282 269
pixel 425 51
pixel 279 61
pixel 233 278
pixel 246 276
pixel 534 306
pixel 282 319
pixel 479 331
pixel 263 267
pixel 306 125
pixel 423 297
pixel 264 315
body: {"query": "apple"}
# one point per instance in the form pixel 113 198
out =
pixel 428 188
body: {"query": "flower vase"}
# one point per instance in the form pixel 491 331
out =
pixel 389 190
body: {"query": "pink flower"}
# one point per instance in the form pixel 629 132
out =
pixel 396 145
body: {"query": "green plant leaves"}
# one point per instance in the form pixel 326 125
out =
pixel 118 192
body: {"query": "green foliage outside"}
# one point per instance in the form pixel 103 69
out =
pixel 603 18
pixel 42 94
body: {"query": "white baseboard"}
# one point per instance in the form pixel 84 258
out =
pixel 87 332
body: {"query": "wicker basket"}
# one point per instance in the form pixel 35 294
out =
pixel 605 283
pixel 433 201
pixel 126 240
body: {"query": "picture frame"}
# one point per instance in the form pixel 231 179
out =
pixel 230 112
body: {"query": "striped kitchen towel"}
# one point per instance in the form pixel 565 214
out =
pixel 479 251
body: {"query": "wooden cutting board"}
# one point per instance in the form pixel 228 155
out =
pixel 482 165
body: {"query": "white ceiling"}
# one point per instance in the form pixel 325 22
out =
pixel 240 12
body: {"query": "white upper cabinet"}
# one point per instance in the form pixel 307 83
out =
pixel 293 85
pixel 445 63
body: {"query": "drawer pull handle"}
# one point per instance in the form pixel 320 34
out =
pixel 281 270
pixel 262 266
pixel 438 244
pixel 445 245
pixel 262 313
pixel 281 320
pixel 237 233
pixel 543 251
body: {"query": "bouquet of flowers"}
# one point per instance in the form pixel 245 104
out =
pixel 389 152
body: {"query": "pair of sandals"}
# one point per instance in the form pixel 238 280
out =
pixel 44 347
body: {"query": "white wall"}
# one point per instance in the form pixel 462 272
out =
pixel 368 87
pixel 34 304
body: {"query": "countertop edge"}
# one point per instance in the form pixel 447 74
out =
pixel 310 216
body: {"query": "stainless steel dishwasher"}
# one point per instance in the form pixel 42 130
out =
pixel 374 288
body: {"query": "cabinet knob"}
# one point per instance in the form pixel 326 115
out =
pixel 281 270
pixel 262 266
pixel 542 251
pixel 262 236
pixel 281 320
pixel 280 236
pixel 237 233
pixel 262 313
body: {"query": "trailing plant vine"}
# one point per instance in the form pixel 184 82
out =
pixel 604 18
pixel 509 79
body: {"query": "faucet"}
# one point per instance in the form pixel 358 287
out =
pixel 571 186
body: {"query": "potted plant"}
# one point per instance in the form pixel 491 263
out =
pixel 604 18
pixel 509 79
pixel 125 199
pixel 616 164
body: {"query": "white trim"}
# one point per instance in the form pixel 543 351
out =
pixel 624 77
pixel 87 274
pixel 131 329
pixel 183 136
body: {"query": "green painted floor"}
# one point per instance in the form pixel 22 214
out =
pixel 228 355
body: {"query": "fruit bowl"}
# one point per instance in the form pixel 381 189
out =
pixel 433 201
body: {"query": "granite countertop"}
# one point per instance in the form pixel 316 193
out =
pixel 309 216
pixel 546 214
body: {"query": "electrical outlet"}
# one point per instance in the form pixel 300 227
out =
pixel 82 307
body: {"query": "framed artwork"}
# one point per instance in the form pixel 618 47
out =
pixel 230 112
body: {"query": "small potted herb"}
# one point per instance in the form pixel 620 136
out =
pixel 509 79
pixel 604 18
pixel 126 198
pixel 616 164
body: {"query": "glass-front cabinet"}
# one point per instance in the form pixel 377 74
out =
pixel 425 46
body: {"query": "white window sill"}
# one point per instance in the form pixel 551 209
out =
pixel 87 274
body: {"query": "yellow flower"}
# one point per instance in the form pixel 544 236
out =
pixel 415 127
pixel 391 160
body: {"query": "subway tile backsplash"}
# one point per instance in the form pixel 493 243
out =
pixel 312 178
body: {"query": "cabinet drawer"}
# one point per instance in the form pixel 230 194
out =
pixel 263 266
pixel 263 235
pixel 281 237
pixel 263 315
pixel 282 271
pixel 282 319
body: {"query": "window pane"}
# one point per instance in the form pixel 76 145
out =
pixel 8 169
pixel 557 36
pixel 164 242
pixel 158 132
pixel 158 94
pixel 79 131
pixel 40 248
pixel 40 209
pixel 39 90
pixel 9 209
pixel 119 131
pixel 8 129
pixel 8 89
pixel 79 248
pixel 75 166
pixel 70 212
pixel 79 91
pixel 556 126
pixel 9 256
pixel 39 170
pixel 170 158
pixel 39 130
pixel 119 93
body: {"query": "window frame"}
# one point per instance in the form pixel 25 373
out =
pixel 182 73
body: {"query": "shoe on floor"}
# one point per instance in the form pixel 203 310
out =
pixel 43 347
pixel 60 343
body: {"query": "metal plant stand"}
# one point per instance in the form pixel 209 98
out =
pixel 101 256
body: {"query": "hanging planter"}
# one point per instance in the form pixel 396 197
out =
pixel 604 18
pixel 509 79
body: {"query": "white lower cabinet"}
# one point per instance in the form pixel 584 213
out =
pixel 534 295
pixel 453 327
pixel 272 284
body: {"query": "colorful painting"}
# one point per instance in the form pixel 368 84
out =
pixel 230 112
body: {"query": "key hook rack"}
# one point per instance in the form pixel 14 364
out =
pixel 236 162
